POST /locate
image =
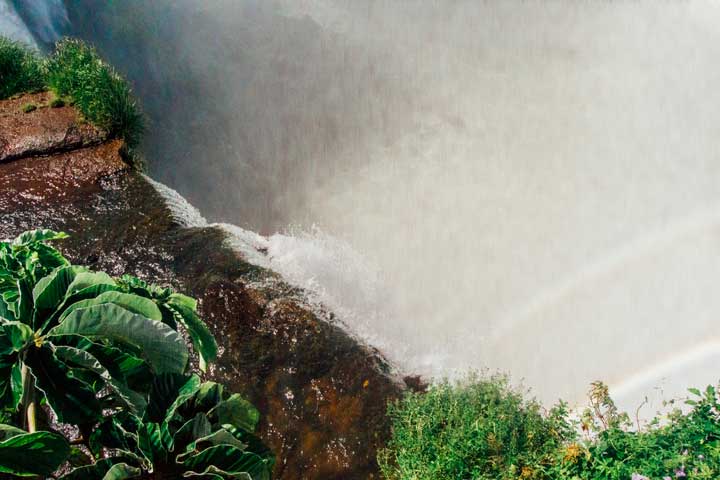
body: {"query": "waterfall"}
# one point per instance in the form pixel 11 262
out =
pixel 529 186
pixel 46 20
pixel 12 25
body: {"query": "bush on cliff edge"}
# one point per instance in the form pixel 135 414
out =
pixel 21 69
pixel 75 70
pixel 481 429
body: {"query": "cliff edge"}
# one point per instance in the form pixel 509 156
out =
pixel 322 394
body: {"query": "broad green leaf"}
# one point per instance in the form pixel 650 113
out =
pixel 100 469
pixel 75 357
pixel 151 444
pixel 24 303
pixel 50 290
pixel 198 426
pixel 71 300
pixel 184 300
pixel 133 371
pixel 163 347
pixel 29 454
pixel 201 398
pixel 122 471
pixel 133 303
pixel 10 383
pixel 228 459
pixel 9 431
pixel 48 259
pixel 84 280
pixel 14 336
pixel 202 339
pixel 218 437
pixel 41 235
pixel 110 433
pixel 72 400
pixel 5 313
pixel 165 389
pixel 254 444
pixel 236 411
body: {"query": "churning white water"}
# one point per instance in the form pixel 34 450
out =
pixel 530 186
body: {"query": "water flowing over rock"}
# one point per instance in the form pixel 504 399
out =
pixel 321 393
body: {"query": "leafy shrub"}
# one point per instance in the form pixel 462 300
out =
pixel 21 69
pixel 478 429
pixel 681 445
pixel 76 70
pixel 482 430
pixel 104 355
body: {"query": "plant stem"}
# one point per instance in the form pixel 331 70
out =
pixel 28 400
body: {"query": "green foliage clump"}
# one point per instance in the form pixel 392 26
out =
pixel 685 446
pixel 76 70
pixel 21 69
pixel 483 430
pixel 105 355
pixel 57 103
pixel 477 429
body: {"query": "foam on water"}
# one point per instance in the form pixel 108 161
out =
pixel 182 211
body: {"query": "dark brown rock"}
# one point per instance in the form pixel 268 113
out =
pixel 322 394
pixel 42 131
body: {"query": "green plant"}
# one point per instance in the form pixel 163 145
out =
pixel 21 69
pixel 95 349
pixel 77 73
pixel 57 103
pixel 476 429
pixel 100 93
pixel 202 432
pixel 29 107
pixel 483 430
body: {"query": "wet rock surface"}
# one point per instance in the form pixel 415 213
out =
pixel 322 394
pixel 43 130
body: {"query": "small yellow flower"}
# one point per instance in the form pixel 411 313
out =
pixel 572 453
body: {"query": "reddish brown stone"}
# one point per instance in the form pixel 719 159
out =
pixel 43 131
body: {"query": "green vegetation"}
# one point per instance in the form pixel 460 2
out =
pixel 478 430
pixel 29 107
pixel 21 69
pixel 481 429
pixel 57 103
pixel 74 71
pixel 105 357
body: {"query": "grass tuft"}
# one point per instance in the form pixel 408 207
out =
pixel 21 69
pixel 103 97
pixel 29 107
pixel 57 103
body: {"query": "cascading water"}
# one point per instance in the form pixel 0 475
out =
pixel 528 186
pixel 12 25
